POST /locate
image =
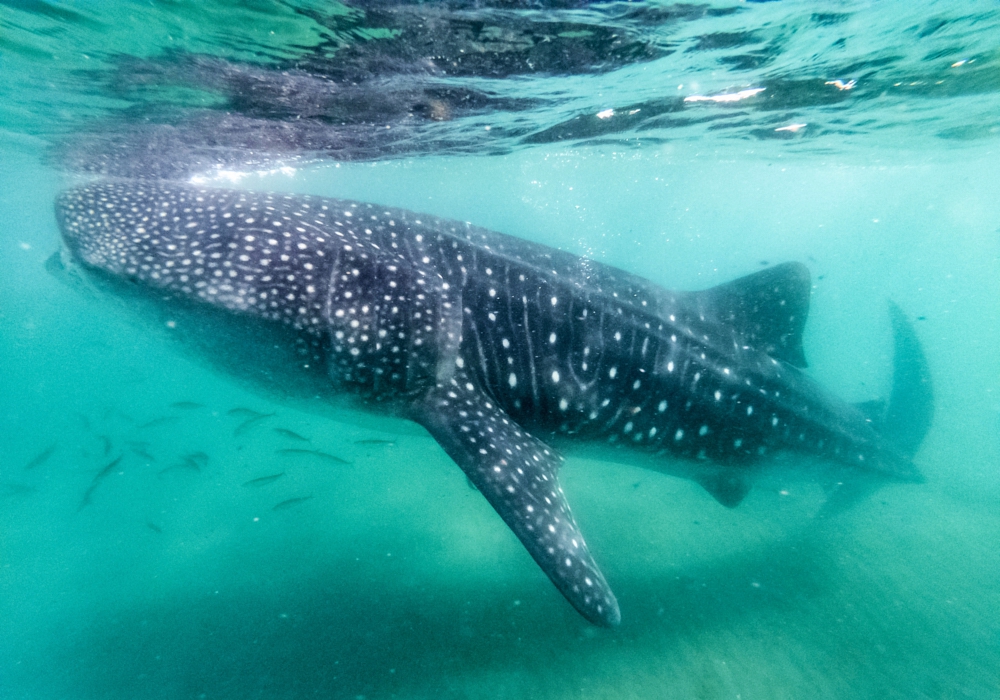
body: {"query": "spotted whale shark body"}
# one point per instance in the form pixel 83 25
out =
pixel 493 344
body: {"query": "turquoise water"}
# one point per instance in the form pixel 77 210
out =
pixel 394 579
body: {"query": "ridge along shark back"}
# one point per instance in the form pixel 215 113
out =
pixel 493 344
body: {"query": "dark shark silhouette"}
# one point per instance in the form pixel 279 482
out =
pixel 490 343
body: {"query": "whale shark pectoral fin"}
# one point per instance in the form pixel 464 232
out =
pixel 518 475
pixel 768 308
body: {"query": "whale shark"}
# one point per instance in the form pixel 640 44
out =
pixel 497 346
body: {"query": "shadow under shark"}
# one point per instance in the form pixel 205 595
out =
pixel 492 344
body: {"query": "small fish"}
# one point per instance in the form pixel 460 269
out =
pixel 174 467
pixel 10 488
pixel 315 453
pixel 291 435
pixel 157 422
pixel 291 502
pixel 193 461
pixel 42 457
pixel 264 480
pixel 98 478
pixel 106 441
pixel 186 405
pixel 240 412
pixel 139 448
pixel 243 427
pixel 196 459
pixel 154 527
pixel 373 441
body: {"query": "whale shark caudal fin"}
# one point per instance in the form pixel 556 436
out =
pixel 768 308
pixel 911 403
pixel 518 476
pixel 903 422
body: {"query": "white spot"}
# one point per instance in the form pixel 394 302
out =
pixel 612 372
pixel 670 366
pixel 563 404
pixel 679 434
pixel 555 376
pixel 512 380
pixel 662 407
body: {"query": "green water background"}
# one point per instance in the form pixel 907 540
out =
pixel 396 580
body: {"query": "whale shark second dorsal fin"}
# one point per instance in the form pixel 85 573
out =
pixel 768 308
pixel 517 474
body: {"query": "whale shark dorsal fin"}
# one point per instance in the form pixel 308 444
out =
pixel 769 308
pixel 517 474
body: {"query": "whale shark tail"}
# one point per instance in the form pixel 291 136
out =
pixel 911 403
pixel 903 422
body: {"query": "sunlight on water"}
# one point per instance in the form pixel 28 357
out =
pixel 168 530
